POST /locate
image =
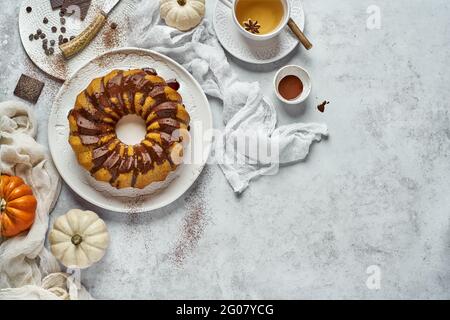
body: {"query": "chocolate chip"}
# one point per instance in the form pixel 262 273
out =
pixel 39 31
pixel 43 35
pixel 62 12
pixel 63 21
pixel 52 42
pixel 54 29
pixel 321 107
pixel 28 88
pixel 46 52
pixel 63 29
pixel 36 36
pixel 45 21
pixel 51 51
pixel 72 37
pixel 114 26
pixel 31 37
pixel 29 9
pixel 65 40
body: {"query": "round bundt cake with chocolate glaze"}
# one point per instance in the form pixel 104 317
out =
pixel 104 102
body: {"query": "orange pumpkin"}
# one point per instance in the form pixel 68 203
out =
pixel 17 206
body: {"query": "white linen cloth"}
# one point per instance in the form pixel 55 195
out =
pixel 24 260
pixel 245 111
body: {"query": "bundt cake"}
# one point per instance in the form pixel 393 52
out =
pixel 104 102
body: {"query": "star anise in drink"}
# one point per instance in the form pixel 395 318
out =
pixel 252 26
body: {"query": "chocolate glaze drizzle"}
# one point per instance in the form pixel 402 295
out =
pixel 114 99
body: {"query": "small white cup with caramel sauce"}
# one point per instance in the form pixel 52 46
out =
pixel 292 84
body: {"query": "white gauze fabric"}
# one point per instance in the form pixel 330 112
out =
pixel 245 111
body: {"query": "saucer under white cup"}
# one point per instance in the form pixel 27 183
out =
pixel 253 51
pixel 299 72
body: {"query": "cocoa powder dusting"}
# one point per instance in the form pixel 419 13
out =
pixel 111 36
pixel 193 224
pixel 60 64
pixel 133 207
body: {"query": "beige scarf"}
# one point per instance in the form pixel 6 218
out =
pixel 27 268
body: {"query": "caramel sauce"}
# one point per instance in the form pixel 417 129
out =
pixel 290 87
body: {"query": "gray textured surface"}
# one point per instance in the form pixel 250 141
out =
pixel 375 193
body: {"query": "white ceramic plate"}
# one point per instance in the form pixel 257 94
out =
pixel 56 65
pixel 251 51
pixel 58 129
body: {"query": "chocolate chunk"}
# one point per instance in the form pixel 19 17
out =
pixel 28 88
pixel 45 21
pixel 112 160
pixel 174 84
pixel 63 30
pixel 29 9
pixel 56 4
pixel 82 4
pixel 87 140
pixel 54 29
pixel 165 109
pixel 100 152
pixel 150 71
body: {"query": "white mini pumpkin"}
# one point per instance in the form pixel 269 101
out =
pixel 182 14
pixel 79 239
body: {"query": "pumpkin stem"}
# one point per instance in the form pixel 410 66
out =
pixel 2 205
pixel 76 239
pixel 182 2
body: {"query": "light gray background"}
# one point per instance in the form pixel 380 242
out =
pixel 375 193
